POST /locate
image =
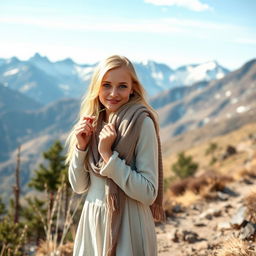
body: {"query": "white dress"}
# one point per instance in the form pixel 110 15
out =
pixel 137 235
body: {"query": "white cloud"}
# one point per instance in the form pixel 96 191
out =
pixel 194 5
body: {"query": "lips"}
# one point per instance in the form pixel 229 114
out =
pixel 113 101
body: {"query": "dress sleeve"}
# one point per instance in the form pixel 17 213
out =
pixel 140 184
pixel 78 177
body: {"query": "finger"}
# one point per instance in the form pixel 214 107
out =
pixel 111 127
pixel 85 122
pixel 86 130
pixel 108 130
pixel 83 127
pixel 111 130
pixel 89 118
pixel 104 133
pixel 87 125
pixel 81 132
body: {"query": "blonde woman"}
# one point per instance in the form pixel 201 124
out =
pixel 115 157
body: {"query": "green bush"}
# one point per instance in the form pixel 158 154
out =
pixel 12 237
pixel 184 167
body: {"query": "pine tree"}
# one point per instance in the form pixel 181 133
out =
pixel 34 215
pixel 2 207
pixel 184 166
pixel 12 237
pixel 49 177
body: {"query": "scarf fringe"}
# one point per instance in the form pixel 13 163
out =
pixel 113 202
pixel 158 212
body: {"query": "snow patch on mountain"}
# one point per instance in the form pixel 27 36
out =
pixel 27 87
pixel 242 109
pixel 228 94
pixel 11 72
pixel 84 73
pixel 189 74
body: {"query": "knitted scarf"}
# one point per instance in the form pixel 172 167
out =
pixel 127 121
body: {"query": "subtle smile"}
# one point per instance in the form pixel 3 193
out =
pixel 113 101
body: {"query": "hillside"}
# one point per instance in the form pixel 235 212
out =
pixel 198 223
pixel 183 120
pixel 13 100
pixel 215 102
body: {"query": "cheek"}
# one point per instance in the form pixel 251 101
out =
pixel 126 96
pixel 101 97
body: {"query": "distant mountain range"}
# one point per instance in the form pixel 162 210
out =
pixel 214 102
pixel 214 107
pixel 47 81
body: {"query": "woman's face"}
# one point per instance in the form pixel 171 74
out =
pixel 115 89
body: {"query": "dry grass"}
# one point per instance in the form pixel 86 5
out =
pixel 196 185
pixel 250 203
pixel 193 189
pixel 178 188
pixel 187 198
pixel 57 225
pixel 236 247
pixel 209 181
pixel 249 170
pixel 46 248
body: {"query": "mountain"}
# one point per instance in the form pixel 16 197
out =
pixel 29 80
pixel 190 74
pixel 47 81
pixel 17 126
pixel 13 100
pixel 205 109
pixel 154 76
pixel 219 100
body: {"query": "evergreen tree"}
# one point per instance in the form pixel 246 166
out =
pixel 49 177
pixel 184 166
pixel 34 215
pixel 2 207
pixel 12 237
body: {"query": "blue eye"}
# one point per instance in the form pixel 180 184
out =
pixel 123 86
pixel 106 85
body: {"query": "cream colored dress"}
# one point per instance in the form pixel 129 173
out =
pixel 137 236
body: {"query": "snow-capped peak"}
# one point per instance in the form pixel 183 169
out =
pixel 189 74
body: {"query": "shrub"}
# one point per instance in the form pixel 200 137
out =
pixel 184 167
pixel 250 203
pixel 178 188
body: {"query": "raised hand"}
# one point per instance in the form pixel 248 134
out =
pixel 83 131
pixel 107 137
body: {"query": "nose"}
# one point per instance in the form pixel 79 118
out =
pixel 113 92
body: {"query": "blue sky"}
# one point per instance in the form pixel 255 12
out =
pixel 175 32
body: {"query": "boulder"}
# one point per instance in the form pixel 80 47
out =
pixel 239 218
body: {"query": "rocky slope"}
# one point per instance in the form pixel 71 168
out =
pixel 197 224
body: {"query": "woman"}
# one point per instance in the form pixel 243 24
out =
pixel 115 157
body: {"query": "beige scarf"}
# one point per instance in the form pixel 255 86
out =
pixel 127 120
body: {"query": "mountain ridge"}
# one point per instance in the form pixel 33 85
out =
pixel 65 78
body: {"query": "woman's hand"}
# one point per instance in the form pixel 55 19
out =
pixel 107 137
pixel 84 131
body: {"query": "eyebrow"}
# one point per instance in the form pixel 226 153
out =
pixel 110 82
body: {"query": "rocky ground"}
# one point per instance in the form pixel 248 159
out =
pixel 200 228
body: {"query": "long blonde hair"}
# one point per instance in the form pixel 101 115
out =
pixel 90 105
